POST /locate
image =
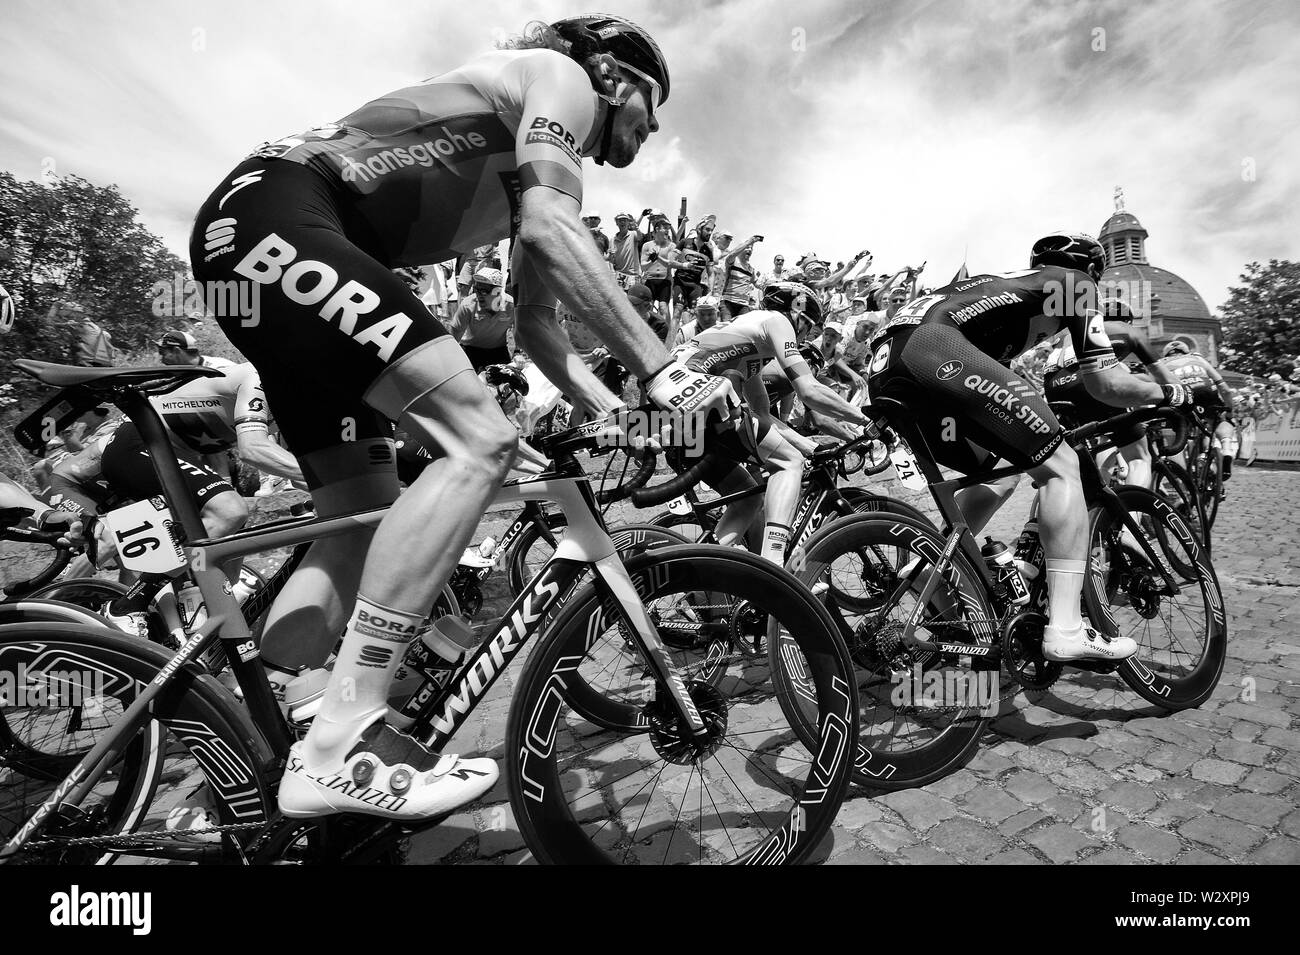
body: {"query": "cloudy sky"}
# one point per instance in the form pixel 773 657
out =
pixel 915 129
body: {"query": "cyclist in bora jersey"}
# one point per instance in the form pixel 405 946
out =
pixel 945 356
pixel 738 351
pixel 318 221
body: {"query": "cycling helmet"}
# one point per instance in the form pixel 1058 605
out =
pixel 812 355
pixel 793 299
pixel 497 375
pixel 636 54
pixel 1078 251
pixel 1176 347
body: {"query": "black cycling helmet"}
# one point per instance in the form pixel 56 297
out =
pixel 631 46
pixel 812 355
pixel 793 299
pixel 1078 251
pixel 498 375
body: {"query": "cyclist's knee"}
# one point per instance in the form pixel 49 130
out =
pixel 1062 463
pixel 224 514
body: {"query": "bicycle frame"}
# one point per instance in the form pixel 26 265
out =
pixel 957 532
pixel 586 544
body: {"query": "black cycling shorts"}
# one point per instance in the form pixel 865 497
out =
pixel 970 408
pixel 128 469
pixel 660 289
pixel 692 292
pixel 331 315
pixel 1066 385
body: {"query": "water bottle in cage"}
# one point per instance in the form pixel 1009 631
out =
pixel 998 557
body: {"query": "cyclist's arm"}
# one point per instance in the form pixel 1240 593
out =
pixel 760 406
pixel 539 333
pixel 1104 377
pixel 811 392
pixel 252 428
pixel 552 240
pixel 1222 386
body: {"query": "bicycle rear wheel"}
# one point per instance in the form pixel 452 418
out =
pixel 753 791
pixel 1182 638
pixel 922 713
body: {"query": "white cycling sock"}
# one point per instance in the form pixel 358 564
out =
pixel 374 645
pixel 776 537
pixel 1064 589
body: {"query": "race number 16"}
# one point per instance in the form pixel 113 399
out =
pixel 143 537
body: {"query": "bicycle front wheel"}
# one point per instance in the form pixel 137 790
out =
pixel 922 711
pixel 1182 636
pixel 751 791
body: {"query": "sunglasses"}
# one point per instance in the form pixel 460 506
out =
pixel 655 90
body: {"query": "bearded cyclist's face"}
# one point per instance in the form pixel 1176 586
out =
pixel 633 125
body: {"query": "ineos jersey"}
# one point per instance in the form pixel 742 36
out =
pixel 1063 362
pixel 740 349
pixel 207 414
pixel 438 168
pixel 1005 315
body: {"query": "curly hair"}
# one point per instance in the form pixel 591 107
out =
pixel 536 35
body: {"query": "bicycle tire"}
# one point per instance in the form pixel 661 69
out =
pixel 531 551
pixel 197 712
pixel 1212 482
pixel 1171 479
pixel 89 592
pixel 879 764
pixel 1113 570
pixel 540 783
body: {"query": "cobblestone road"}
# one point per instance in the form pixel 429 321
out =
pixel 1087 772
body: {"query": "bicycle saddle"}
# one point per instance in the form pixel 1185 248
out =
pixel 66 376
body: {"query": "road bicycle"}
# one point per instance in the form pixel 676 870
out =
pixel 693 772
pixel 941 637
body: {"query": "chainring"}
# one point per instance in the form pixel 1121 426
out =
pixel 1022 652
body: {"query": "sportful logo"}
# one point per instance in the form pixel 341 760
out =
pixel 219 237
pixel 950 370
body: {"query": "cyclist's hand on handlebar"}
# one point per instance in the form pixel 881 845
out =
pixel 1176 395
pixel 692 394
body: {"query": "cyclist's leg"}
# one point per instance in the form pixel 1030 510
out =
pixel 343 344
pixel 785 478
pixel 737 518
pixel 129 471
pixel 303 624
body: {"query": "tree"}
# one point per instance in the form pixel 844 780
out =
pixel 1261 320
pixel 71 243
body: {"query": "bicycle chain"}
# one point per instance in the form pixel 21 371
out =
pixel 131 839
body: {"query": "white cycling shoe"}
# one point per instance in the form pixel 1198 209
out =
pixel 1064 646
pixel 387 774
